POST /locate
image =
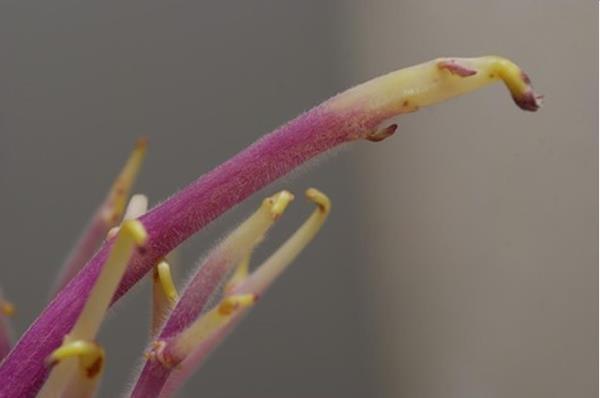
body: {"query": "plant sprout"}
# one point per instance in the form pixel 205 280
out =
pixel 58 355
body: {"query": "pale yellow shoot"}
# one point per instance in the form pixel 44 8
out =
pixel 164 294
pixel 248 234
pixel 79 366
pixel 87 351
pixel 409 89
pixel 137 206
pixel 240 273
pixel 166 281
pixel 66 374
pixel 131 235
pixel 91 364
pixel 114 205
pixel 264 275
pixel 209 323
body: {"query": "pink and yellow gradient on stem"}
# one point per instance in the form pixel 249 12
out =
pixel 361 113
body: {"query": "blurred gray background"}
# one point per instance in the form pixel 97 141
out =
pixel 460 259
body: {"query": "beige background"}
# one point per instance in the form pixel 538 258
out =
pixel 482 220
pixel 460 259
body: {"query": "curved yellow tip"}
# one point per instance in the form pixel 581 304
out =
pixel 90 354
pixel 320 199
pixel 516 80
pixel 409 89
pixel 163 272
pixel 135 229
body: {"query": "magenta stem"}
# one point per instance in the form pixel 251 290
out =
pixel 170 223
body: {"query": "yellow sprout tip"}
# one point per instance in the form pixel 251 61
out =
pixel 495 67
pixel 117 199
pixel 90 354
pixel 278 203
pixel 320 199
pixel 135 229
pixel 163 274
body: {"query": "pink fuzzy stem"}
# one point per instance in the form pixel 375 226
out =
pixel 173 221
pixel 355 114
pixel 84 249
pixel 106 216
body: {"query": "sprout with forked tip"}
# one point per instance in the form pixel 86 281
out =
pixel 253 285
pixel 265 274
pixel 205 284
pixel 185 349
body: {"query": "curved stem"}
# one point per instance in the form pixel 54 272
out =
pixel 353 115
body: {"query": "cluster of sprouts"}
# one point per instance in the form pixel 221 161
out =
pixel 59 356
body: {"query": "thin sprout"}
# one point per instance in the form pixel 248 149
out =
pixel 211 273
pixel 106 217
pixel 67 372
pixel 164 294
pixel 172 352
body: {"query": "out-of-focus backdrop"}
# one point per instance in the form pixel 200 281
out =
pixel 460 259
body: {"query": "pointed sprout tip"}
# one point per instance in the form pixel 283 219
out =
pixel 278 203
pixel 320 199
pixel 119 192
